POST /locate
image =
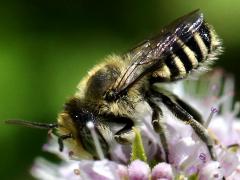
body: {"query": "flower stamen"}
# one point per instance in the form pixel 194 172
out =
pixel 190 160
pixel 236 108
pixel 213 111
pixel 98 147
pixel 203 157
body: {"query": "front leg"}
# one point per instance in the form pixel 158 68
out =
pixel 183 115
pixel 125 135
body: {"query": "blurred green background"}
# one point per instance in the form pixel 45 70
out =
pixel 47 46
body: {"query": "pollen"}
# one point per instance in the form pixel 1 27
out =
pixel 76 172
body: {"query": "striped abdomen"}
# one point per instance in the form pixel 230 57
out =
pixel 188 55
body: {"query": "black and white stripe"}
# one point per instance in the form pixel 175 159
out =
pixel 187 54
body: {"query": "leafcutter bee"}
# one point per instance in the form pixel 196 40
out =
pixel 113 90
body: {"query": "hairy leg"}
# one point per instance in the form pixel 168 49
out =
pixel 125 135
pixel 183 115
pixel 157 122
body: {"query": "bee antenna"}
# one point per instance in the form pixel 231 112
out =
pixel 31 124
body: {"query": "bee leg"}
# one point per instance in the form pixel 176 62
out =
pixel 187 107
pixel 61 139
pixel 190 110
pixel 126 135
pixel 183 115
pixel 159 126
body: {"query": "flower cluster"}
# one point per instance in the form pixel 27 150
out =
pixel 213 97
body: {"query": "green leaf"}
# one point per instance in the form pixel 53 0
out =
pixel 179 177
pixel 193 177
pixel 138 151
pixel 182 177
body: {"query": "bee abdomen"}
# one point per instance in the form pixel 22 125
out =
pixel 189 54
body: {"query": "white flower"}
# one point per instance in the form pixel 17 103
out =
pixel 211 170
pixel 139 170
pixel 188 155
pixel 162 171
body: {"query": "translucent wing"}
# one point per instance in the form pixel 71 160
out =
pixel 148 55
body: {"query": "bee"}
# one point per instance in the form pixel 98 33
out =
pixel 119 88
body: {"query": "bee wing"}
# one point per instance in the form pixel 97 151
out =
pixel 148 55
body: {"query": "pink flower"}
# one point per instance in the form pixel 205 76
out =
pixel 211 170
pixel 162 171
pixel 138 170
pixel 188 155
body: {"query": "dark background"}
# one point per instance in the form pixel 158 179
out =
pixel 47 47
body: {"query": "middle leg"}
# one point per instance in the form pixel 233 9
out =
pixel 158 125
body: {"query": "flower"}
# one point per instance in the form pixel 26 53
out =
pixel 188 155
pixel 211 170
pixel 162 171
pixel 139 170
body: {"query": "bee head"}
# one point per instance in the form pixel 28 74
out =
pixel 72 128
pixel 73 122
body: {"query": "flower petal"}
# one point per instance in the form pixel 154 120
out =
pixel 211 170
pixel 138 170
pixel 101 170
pixel 162 171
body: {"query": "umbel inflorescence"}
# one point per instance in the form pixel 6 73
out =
pixel 188 156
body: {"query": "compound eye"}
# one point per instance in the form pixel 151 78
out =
pixel 77 116
pixel 81 117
